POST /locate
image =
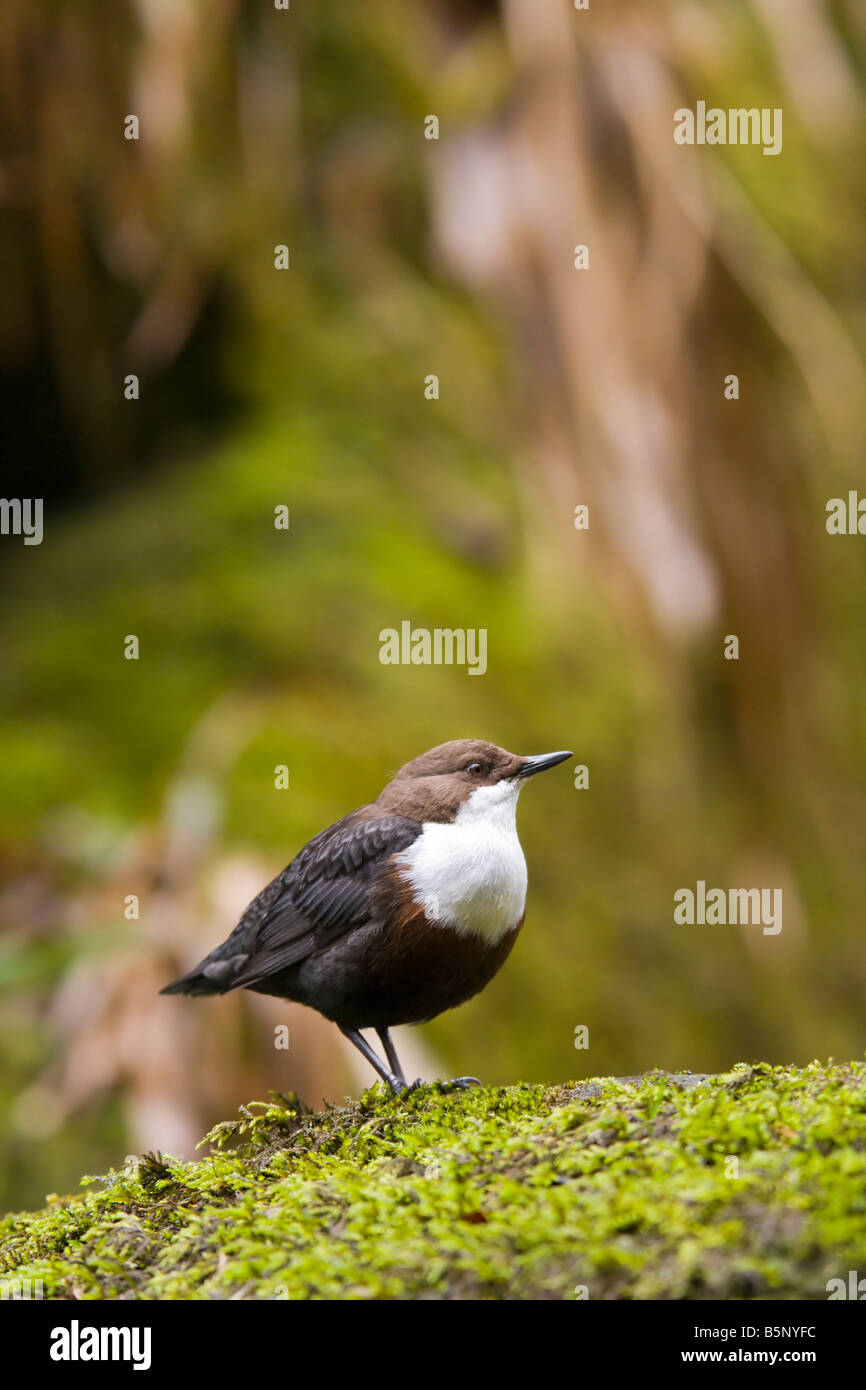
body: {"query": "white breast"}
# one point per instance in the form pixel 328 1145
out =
pixel 471 875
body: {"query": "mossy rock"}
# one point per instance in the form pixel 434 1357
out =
pixel 746 1185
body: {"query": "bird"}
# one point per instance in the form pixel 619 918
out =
pixel 404 908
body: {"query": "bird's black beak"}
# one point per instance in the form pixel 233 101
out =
pixel 541 762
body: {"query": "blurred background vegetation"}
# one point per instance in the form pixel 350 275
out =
pixel 305 388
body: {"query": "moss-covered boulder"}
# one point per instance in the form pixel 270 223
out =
pixel 750 1184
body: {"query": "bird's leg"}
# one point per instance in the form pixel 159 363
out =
pixel 396 1083
pixel 391 1053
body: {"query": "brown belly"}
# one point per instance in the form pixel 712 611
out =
pixel 418 970
pixel 406 972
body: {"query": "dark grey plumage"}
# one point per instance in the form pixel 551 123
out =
pixel 326 891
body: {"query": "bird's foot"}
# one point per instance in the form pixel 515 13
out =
pixel 460 1083
pixel 404 1088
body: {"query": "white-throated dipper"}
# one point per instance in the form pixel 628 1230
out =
pixel 402 909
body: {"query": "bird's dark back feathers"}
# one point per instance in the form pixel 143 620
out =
pixel 326 891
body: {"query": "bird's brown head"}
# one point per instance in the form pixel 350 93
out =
pixel 434 786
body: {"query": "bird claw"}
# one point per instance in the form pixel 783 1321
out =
pixel 403 1088
pixel 460 1083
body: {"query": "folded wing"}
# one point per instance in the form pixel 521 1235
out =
pixel 326 892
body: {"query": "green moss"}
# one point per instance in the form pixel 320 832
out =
pixel 745 1185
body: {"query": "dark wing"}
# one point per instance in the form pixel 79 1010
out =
pixel 325 892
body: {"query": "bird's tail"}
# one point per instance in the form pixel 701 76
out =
pixel 193 983
pixel 216 974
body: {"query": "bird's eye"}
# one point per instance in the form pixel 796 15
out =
pixel 475 768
